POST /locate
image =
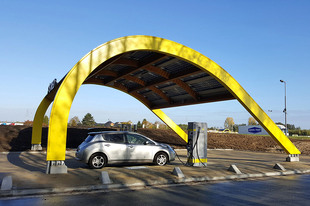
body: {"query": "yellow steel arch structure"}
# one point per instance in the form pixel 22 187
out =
pixel 65 91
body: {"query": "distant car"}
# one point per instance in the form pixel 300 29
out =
pixel 101 148
pixel 224 130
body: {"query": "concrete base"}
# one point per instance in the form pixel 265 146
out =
pixel 293 158
pixel 104 177
pixel 7 183
pixel 36 147
pixel 56 167
pixel 200 164
pixel 278 166
pixel 178 172
pixel 235 169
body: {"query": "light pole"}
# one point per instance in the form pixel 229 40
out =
pixel 285 112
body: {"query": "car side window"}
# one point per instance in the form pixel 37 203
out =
pixel 115 138
pixel 135 139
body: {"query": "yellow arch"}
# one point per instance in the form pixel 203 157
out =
pixel 77 75
pixel 38 121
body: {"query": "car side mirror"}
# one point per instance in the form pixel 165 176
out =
pixel 147 142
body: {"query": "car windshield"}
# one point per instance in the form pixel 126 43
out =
pixel 89 138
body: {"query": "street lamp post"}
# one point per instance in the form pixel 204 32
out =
pixel 285 112
pixel 291 157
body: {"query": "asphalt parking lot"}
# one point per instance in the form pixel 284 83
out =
pixel 28 171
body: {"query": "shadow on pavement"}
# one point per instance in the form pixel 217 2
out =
pixel 27 161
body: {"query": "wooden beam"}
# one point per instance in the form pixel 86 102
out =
pixel 135 79
pixel 151 60
pixel 106 73
pixel 142 99
pixel 193 71
pixel 120 86
pixel 102 66
pixel 160 93
pixel 158 71
pixel 93 81
pixel 187 88
pixel 207 78
pixel 129 62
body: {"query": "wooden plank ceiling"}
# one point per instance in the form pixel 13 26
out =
pixel 158 80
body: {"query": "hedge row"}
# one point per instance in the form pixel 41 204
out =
pixel 299 132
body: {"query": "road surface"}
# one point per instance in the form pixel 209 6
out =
pixel 290 190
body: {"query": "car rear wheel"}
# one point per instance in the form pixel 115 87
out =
pixel 97 161
pixel 161 159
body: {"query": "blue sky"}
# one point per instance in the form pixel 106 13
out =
pixel 257 42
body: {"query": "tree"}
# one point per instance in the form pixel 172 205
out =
pixel 28 123
pixel 146 124
pixel 291 126
pixel 159 125
pixel 183 126
pixel 45 120
pixel 229 123
pixel 88 120
pixel 252 121
pixel 74 121
pixel 139 125
pixel 235 128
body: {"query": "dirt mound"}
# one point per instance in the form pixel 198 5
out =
pixel 164 136
pixel 252 143
pixel 18 138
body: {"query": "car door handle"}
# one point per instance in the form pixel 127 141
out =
pixel 130 146
pixel 107 145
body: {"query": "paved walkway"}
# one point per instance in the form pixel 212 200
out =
pixel 28 171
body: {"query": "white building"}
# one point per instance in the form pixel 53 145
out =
pixel 256 129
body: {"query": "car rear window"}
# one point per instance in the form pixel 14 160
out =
pixel 89 138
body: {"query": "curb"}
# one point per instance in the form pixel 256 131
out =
pixel 45 191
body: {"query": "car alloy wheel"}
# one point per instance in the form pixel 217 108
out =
pixel 161 159
pixel 97 161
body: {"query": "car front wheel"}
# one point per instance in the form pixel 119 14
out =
pixel 161 159
pixel 98 161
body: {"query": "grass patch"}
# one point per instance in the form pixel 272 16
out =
pixel 300 137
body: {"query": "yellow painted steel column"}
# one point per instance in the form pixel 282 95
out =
pixel 161 115
pixel 38 121
pixel 248 103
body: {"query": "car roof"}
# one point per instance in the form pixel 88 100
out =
pixel 111 132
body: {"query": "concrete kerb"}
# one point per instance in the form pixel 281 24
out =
pixel 110 187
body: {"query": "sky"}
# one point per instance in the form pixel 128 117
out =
pixel 257 42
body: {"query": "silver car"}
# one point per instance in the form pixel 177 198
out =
pixel 101 148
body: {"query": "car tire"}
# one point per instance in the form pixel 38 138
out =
pixel 97 161
pixel 161 159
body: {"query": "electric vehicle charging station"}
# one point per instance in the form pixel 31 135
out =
pixel 197 144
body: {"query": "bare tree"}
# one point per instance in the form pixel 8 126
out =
pixel 229 123
pixel 252 121
pixel 74 121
